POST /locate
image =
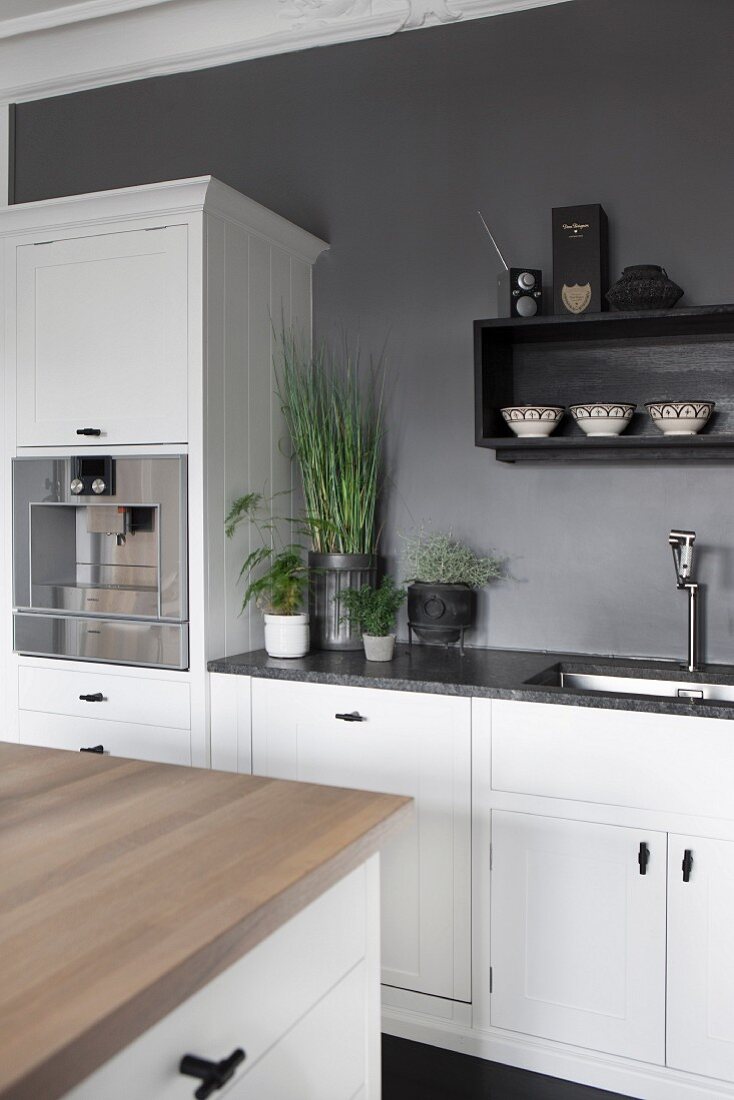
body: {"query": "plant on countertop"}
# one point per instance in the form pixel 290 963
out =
pixel 335 416
pixel 439 558
pixel 373 610
pixel 444 574
pixel 280 590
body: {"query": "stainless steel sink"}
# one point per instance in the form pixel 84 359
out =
pixel 627 685
pixel 694 691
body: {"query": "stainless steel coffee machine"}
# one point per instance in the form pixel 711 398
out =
pixel 100 558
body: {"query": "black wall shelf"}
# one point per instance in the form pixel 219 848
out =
pixel 656 355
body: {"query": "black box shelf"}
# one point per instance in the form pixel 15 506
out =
pixel 657 355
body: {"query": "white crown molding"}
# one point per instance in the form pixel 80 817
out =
pixel 115 41
pixel 156 201
pixel 69 13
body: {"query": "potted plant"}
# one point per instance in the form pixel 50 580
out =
pixel 372 611
pixel 335 417
pixel 281 589
pixel 444 574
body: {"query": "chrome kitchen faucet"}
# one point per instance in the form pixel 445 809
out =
pixel 681 543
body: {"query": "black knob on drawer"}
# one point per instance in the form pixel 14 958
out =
pixel 213 1075
pixel 97 697
pixel 94 748
pixel 353 716
pixel 89 431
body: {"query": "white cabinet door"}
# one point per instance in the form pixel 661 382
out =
pixel 578 934
pixel 405 743
pixel 102 339
pixel 701 956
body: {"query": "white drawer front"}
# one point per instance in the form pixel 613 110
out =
pixel 307 1064
pixel 254 1004
pixel 133 699
pixel 617 757
pixel 58 731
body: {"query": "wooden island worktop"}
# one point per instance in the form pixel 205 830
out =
pixel 126 886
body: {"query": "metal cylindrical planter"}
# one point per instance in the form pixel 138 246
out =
pixel 439 612
pixel 331 574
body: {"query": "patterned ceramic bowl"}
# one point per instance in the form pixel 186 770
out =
pixel 680 417
pixel 532 421
pixel 602 418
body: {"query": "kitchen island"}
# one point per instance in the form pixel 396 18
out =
pixel 149 912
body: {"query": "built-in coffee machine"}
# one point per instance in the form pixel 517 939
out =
pixel 100 558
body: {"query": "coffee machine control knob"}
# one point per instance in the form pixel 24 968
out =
pixel 526 280
pixel 98 485
pixel 76 486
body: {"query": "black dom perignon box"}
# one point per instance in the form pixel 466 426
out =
pixel 580 259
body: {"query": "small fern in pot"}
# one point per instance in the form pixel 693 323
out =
pixel 280 591
pixel 373 612
pixel 444 574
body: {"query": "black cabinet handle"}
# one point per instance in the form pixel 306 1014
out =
pixel 687 864
pixel 94 748
pixel 353 716
pixel 97 697
pixel 213 1075
pixel 89 431
pixel 643 857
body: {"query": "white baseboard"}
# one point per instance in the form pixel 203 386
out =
pixel 633 1079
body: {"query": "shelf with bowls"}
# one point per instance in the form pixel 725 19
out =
pixel 637 358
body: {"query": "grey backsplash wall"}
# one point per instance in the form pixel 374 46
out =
pixel 387 148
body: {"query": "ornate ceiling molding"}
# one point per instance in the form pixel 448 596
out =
pixel 106 42
pixel 411 13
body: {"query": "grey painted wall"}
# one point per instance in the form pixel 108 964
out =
pixel 387 148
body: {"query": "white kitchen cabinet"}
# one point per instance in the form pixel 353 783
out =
pixel 162 744
pixel 147 314
pixel 399 743
pixel 701 956
pixel 578 944
pixel 303 1006
pixel 102 338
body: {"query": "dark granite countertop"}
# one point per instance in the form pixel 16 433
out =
pixel 488 674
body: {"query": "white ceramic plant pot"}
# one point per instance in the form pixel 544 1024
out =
pixel 286 635
pixel 379 649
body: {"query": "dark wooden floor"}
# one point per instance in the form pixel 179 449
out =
pixel 412 1071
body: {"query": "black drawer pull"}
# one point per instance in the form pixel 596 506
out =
pixel 89 431
pixel 644 857
pixel 97 697
pixel 213 1075
pixel 687 864
pixel 94 748
pixel 353 716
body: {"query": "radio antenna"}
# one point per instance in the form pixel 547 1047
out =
pixel 494 242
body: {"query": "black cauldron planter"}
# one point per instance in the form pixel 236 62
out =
pixel 644 286
pixel 440 613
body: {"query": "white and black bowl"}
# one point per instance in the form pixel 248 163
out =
pixel 680 417
pixel 532 421
pixel 602 418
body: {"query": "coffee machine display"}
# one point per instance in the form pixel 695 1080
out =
pixel 100 559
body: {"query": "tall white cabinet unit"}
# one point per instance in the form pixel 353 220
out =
pixel 148 315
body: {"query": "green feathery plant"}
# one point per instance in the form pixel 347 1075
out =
pixel 335 417
pixel 438 558
pixel 281 589
pixel 373 610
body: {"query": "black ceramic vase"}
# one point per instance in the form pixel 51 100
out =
pixel 644 286
pixel 439 612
